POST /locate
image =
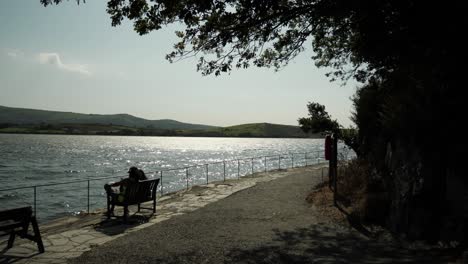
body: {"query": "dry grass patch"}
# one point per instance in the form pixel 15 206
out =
pixel 321 200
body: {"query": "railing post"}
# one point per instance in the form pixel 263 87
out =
pixel 305 158
pixel 186 175
pixel 35 201
pixel 206 165
pixel 292 160
pixel 238 169
pixel 335 169
pixel 279 162
pixel 265 165
pixel 252 165
pixel 88 196
pixel 224 170
pixel 162 192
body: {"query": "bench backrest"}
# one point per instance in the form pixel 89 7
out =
pixel 16 217
pixel 142 191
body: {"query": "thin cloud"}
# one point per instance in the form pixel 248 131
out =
pixel 54 59
pixel 14 53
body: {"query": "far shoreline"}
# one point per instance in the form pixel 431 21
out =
pixel 132 135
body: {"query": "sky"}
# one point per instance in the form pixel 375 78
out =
pixel 69 58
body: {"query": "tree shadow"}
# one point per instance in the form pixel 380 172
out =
pixel 324 244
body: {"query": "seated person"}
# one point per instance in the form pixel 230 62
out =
pixel 141 175
pixel 134 176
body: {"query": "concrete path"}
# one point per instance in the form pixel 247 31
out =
pixel 260 219
pixel 65 241
pixel 268 223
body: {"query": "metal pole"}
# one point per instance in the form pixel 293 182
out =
pixel 162 192
pixel 238 169
pixel 186 175
pixel 35 201
pixel 252 166
pixel 335 169
pixel 224 168
pixel 292 160
pixel 206 165
pixel 265 165
pixel 305 158
pixel 88 196
pixel 279 162
pixel 330 170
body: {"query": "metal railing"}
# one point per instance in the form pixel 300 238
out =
pixel 268 163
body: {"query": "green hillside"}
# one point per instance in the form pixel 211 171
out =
pixel 253 130
pixel 30 121
pixel 22 116
pixel 263 130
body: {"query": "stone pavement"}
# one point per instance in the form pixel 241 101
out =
pixel 65 241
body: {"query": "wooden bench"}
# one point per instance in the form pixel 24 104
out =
pixel 135 194
pixel 16 222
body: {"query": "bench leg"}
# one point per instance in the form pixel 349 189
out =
pixel 154 206
pixel 110 207
pixel 138 207
pixel 108 212
pixel 125 216
pixel 37 235
pixel 11 240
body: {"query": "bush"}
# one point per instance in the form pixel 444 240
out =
pixel 362 194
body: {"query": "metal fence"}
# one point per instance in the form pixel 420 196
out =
pixel 172 180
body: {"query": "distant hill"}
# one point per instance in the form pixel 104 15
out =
pixel 263 130
pixel 30 121
pixel 22 116
pixel 266 130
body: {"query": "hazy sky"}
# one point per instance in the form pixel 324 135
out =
pixel 69 58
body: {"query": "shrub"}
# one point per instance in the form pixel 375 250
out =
pixel 361 193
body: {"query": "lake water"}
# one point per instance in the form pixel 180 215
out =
pixel 28 160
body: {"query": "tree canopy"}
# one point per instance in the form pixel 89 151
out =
pixel 356 38
pixel 319 121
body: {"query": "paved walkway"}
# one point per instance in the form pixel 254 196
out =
pixel 64 240
pixel 261 219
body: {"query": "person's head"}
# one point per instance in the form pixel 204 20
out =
pixel 142 175
pixel 134 173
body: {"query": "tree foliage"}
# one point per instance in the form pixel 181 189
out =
pixel 319 121
pixel 357 39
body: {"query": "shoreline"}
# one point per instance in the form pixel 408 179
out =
pixel 131 135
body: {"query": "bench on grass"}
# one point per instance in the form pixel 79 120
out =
pixel 135 194
pixel 16 222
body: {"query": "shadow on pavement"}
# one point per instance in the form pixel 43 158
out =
pixel 116 225
pixel 322 244
pixel 8 257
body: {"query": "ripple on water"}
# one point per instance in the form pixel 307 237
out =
pixel 41 159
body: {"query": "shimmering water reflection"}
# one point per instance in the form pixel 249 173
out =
pixel 27 160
